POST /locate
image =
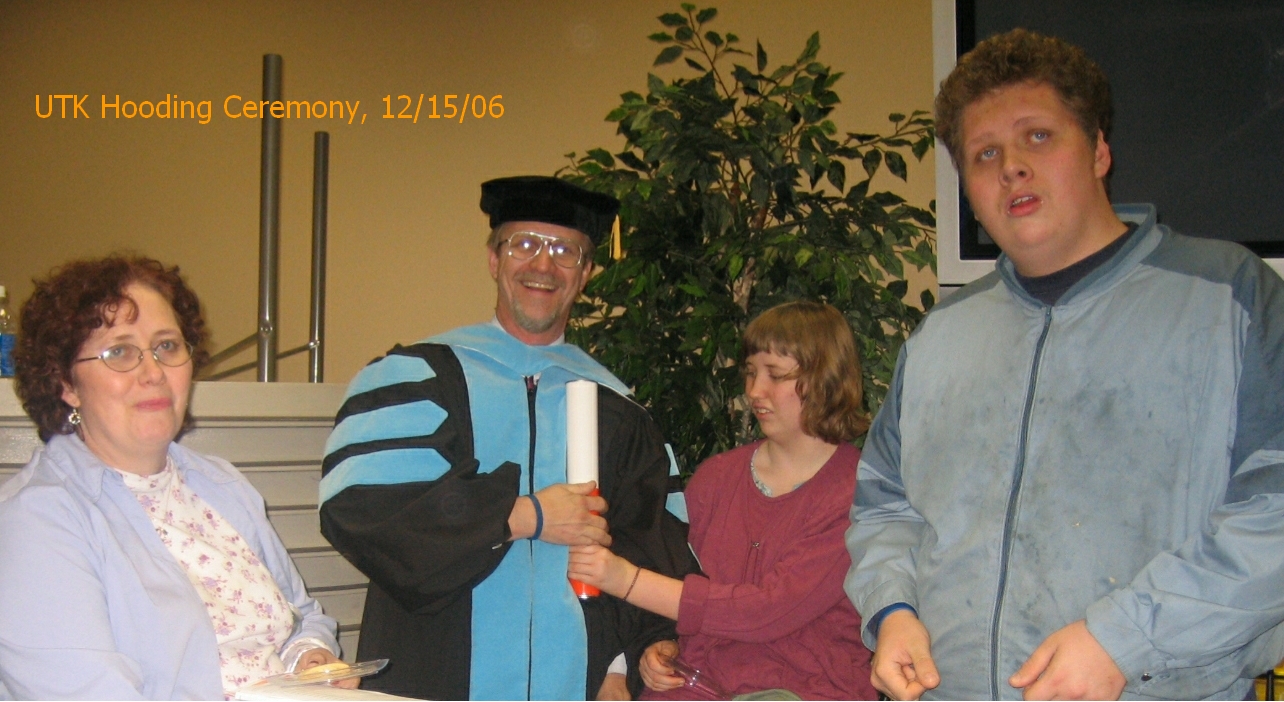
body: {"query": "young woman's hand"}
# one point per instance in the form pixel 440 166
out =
pixel 599 567
pixel 655 669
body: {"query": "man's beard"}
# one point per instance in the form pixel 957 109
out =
pixel 532 324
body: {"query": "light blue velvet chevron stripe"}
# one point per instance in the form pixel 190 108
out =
pixel 401 421
pixel 390 370
pixel 389 467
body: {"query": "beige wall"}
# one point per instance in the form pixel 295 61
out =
pixel 406 254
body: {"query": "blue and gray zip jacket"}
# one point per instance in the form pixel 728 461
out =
pixel 1116 457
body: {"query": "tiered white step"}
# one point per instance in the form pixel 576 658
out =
pixel 275 434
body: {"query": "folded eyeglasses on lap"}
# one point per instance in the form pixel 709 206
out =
pixel 126 357
pixel 524 246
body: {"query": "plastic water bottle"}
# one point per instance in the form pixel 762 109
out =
pixel 7 336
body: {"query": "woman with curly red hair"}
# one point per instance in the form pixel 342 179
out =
pixel 134 568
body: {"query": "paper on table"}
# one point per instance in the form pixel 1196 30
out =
pixel 581 431
pixel 315 684
pixel 321 691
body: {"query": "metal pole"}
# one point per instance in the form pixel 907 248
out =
pixel 320 203
pixel 269 219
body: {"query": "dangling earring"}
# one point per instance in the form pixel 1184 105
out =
pixel 74 418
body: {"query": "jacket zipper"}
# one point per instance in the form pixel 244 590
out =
pixel 1010 517
pixel 532 384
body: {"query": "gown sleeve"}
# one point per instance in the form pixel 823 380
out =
pixel 402 495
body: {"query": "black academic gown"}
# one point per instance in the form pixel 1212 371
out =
pixel 431 448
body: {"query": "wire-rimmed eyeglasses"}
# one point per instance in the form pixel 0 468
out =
pixel 524 246
pixel 126 357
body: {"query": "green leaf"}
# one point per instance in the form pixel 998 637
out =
pixel 803 256
pixel 896 164
pixel 858 192
pixel 661 37
pixel 731 38
pixel 762 58
pixel 813 48
pixel 642 119
pixel 673 19
pixel 923 217
pixel 871 161
pixel 927 299
pixel 602 156
pixel 759 190
pixel 692 290
pixel 837 174
pixel 684 34
pixel 895 117
pixel 696 65
pixel 687 7
pixel 921 146
pixel 669 55
pixel 713 38
pixel 631 160
pixel 898 288
pixel 644 189
pixel 654 84
pixel 743 76
pixel 886 199
pixel 781 72
pixel 617 114
pixel 706 14
pixel 735 265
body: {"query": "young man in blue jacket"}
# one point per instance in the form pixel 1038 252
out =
pixel 1075 489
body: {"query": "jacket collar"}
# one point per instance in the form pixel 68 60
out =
pixel 1139 245
pixel 527 360
pixel 80 467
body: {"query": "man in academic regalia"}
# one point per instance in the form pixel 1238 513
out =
pixel 445 482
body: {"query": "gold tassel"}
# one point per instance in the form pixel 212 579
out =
pixel 617 241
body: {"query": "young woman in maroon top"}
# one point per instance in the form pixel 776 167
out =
pixel 767 525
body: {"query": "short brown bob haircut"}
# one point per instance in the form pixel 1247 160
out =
pixel 1021 56
pixel 65 309
pixel 829 380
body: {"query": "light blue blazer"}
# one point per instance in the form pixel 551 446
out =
pixel 92 604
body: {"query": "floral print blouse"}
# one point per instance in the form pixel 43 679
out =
pixel 252 619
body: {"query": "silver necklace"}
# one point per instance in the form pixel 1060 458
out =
pixel 757 481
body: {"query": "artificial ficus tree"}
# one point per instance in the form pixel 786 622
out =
pixel 738 193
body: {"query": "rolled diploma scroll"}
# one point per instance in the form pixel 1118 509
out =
pixel 581 448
